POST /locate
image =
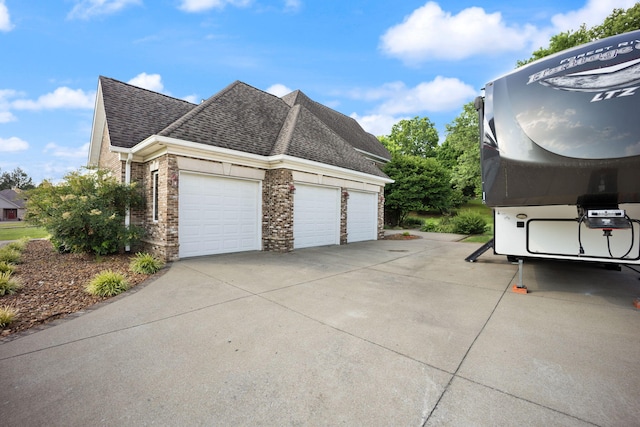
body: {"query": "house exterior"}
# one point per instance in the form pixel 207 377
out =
pixel 243 170
pixel 12 206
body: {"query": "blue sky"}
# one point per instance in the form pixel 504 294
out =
pixel 376 61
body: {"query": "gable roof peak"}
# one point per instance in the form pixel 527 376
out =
pixel 103 79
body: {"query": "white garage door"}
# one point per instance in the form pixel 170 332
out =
pixel 218 215
pixel 316 216
pixel 362 216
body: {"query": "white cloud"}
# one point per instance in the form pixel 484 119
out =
pixel 593 13
pixel 292 5
pixel 148 81
pixel 377 124
pixel 278 90
pixel 5 19
pixel 398 102
pixel 204 5
pixel 13 144
pixel 7 116
pixel 194 99
pixel 56 150
pixel 431 33
pixel 87 9
pixel 62 97
pixel 440 94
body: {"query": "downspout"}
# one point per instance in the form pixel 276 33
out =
pixel 127 181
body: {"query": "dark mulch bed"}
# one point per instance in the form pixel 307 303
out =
pixel 401 236
pixel 53 284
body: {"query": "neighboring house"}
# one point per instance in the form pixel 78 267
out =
pixel 243 170
pixel 11 206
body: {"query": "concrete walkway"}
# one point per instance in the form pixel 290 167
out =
pixel 387 333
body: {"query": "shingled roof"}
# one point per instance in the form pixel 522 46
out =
pixel 133 113
pixel 243 118
pixel 13 197
pixel 347 127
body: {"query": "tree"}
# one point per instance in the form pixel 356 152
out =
pixel 85 213
pixel 618 22
pixel 415 137
pixel 420 184
pixel 15 179
pixel 460 152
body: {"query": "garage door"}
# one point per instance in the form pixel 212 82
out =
pixel 362 216
pixel 218 215
pixel 316 216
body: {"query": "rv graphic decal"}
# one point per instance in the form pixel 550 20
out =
pixel 598 79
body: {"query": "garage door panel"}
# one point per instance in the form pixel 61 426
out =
pixel 218 215
pixel 316 217
pixel 362 216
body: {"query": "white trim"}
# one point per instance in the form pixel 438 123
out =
pixel 155 200
pixel 156 145
pixel 97 130
pixel 368 154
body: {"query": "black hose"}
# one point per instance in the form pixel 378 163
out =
pixel 581 250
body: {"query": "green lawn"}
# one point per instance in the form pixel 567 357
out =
pixel 14 230
pixel 474 206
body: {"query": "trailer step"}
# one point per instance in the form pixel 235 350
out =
pixel 484 248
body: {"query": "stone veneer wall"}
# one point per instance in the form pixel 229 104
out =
pixel 381 214
pixel 162 236
pixel 344 200
pixel 277 211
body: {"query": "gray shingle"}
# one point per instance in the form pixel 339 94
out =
pixel 133 113
pixel 348 128
pixel 239 117
pixel 243 118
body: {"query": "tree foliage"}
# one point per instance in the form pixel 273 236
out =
pixel 460 152
pixel 85 213
pixel 420 184
pixel 15 179
pixel 415 137
pixel 618 22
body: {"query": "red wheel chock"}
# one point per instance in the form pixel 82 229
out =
pixel 636 303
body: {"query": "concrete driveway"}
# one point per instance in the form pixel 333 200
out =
pixel 387 333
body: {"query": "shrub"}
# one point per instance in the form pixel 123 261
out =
pixel 412 222
pixel 6 267
pixel 7 315
pixel 8 285
pixel 86 212
pixel 469 222
pixel 9 255
pixel 145 263
pixel 430 225
pixel 107 283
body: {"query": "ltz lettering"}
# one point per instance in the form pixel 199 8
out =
pixel 610 94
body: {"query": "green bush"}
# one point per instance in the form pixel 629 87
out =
pixel 7 315
pixel 430 225
pixel 469 222
pixel 145 263
pixel 412 222
pixel 6 267
pixel 9 255
pixel 8 285
pixel 107 283
pixel 86 212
